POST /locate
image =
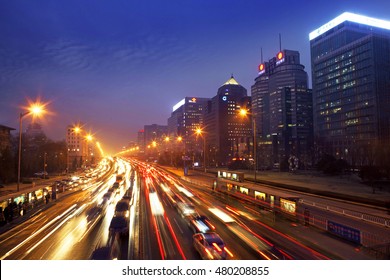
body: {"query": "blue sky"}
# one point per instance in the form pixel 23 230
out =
pixel 117 65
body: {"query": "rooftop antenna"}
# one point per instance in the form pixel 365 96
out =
pixel 261 55
pixel 280 42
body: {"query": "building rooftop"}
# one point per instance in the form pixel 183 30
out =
pixel 3 127
pixel 231 81
pixel 352 18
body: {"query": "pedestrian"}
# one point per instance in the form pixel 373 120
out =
pixel 47 198
pixel 6 214
pixel 20 208
pixel 306 215
pixel 2 218
pixel 11 211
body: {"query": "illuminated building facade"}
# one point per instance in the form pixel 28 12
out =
pixel 77 148
pixel 282 106
pixel 186 118
pixel 350 57
pixel 227 133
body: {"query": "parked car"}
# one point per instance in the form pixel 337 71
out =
pixel 42 174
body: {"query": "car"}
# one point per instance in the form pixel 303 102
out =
pixel 122 208
pixel 201 224
pixel 94 213
pixel 186 210
pixel 102 253
pixel 210 246
pixel 120 225
pixel 126 198
pixel 42 174
pixel 107 197
pixel 110 251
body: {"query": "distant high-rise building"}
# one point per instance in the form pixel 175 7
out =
pixel 34 129
pixel 350 57
pixel 79 150
pixel 36 136
pixel 227 133
pixel 153 133
pixel 5 137
pixel 141 141
pixel 282 108
pixel 186 118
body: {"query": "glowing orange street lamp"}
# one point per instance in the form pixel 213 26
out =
pixel 89 137
pixel 77 130
pixel 36 110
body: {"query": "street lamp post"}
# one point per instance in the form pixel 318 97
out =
pixel 254 145
pixel 44 165
pixel 199 132
pixel 35 109
pixel 244 113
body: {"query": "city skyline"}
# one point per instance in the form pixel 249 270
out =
pixel 107 65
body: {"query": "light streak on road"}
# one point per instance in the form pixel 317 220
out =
pixel 221 215
pixel 35 234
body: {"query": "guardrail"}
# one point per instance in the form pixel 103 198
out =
pixel 350 213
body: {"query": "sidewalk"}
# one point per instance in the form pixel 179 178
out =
pixel 10 190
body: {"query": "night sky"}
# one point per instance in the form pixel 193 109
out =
pixel 118 65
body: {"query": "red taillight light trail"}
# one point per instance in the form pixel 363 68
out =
pixel 232 210
pixel 174 237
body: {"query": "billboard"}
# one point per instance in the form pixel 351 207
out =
pixel 343 231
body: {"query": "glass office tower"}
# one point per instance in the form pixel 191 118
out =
pixel 350 58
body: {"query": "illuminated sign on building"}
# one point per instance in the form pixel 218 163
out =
pixel 179 104
pixel 261 69
pixel 288 206
pixel 224 98
pixel 349 17
pixel 192 100
pixel 280 58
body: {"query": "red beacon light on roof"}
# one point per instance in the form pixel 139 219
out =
pixel 280 58
pixel 280 55
pixel 261 68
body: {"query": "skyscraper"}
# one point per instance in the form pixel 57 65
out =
pixel 187 116
pixel 350 57
pixel 282 108
pixel 227 135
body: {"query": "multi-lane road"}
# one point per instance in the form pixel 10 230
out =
pixel 78 224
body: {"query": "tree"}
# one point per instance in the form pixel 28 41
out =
pixel 332 166
pixel 7 166
pixel 370 174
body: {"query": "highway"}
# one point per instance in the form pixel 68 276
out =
pixel 77 225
